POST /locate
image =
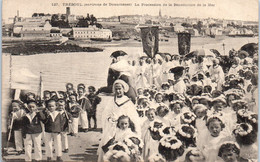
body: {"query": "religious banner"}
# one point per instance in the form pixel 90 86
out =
pixel 150 40
pixel 184 43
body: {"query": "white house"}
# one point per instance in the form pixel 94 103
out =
pixel 91 32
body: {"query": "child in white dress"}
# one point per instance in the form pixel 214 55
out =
pixel 125 127
pixel 149 144
pixel 200 123
pixel 214 136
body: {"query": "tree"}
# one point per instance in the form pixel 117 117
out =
pixel 99 25
pixel 63 17
pixel 82 23
pixel 148 22
pixel 186 25
pixel 35 15
pixel 93 20
pixel 200 26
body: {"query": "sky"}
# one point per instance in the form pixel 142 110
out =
pixel 222 9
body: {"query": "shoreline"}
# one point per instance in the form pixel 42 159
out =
pixel 34 49
pixel 75 46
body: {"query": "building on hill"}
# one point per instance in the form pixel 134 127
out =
pixel 91 32
pixel 35 30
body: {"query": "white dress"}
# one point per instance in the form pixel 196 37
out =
pixel 114 109
pixel 210 145
pixel 166 66
pixel 141 80
pixel 150 145
pixel 249 152
pixel 179 87
pixel 217 75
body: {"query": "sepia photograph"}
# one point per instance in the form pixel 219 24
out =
pixel 130 81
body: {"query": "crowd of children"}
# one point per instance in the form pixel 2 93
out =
pixel 191 110
pixel 46 123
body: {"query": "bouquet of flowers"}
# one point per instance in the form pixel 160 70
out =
pixel 187 134
pixel 171 148
pixel 135 146
pixel 194 154
pixel 156 158
pixel 245 134
pixel 118 152
pixel 246 116
pixel 158 130
pixel 188 118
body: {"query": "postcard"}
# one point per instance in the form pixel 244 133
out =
pixel 129 80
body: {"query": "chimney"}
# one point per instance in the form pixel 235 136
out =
pixel 67 11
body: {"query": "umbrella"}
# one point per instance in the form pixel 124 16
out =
pixel 204 52
pixel 215 52
pixel 118 53
pixel 251 48
pixel 190 55
pixel 177 69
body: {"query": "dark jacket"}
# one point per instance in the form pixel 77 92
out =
pixel 74 110
pixel 65 121
pixel 94 100
pixel 85 104
pixel 53 126
pixel 17 123
pixel 33 127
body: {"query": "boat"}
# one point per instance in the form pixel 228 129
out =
pixel 101 39
pixel 43 40
pixel 241 35
pixel 116 39
pixel 125 38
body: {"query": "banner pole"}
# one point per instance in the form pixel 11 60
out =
pixel 152 52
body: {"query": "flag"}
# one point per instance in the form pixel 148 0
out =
pixel 184 43
pixel 150 40
pixel 22 79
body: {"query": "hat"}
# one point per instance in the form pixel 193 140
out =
pixel 69 84
pixel 206 96
pixel 236 92
pixel 177 70
pixel 197 106
pixel 177 101
pixel 30 93
pixel 123 83
pixel 61 99
pixel 81 85
pixel 31 101
pixel 240 101
pixel 118 53
pixel 46 92
pixel 16 101
pixel 242 53
pixel 50 100
pixel 216 60
pixel 216 116
pixel 195 98
pixel 165 84
pixel 220 98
